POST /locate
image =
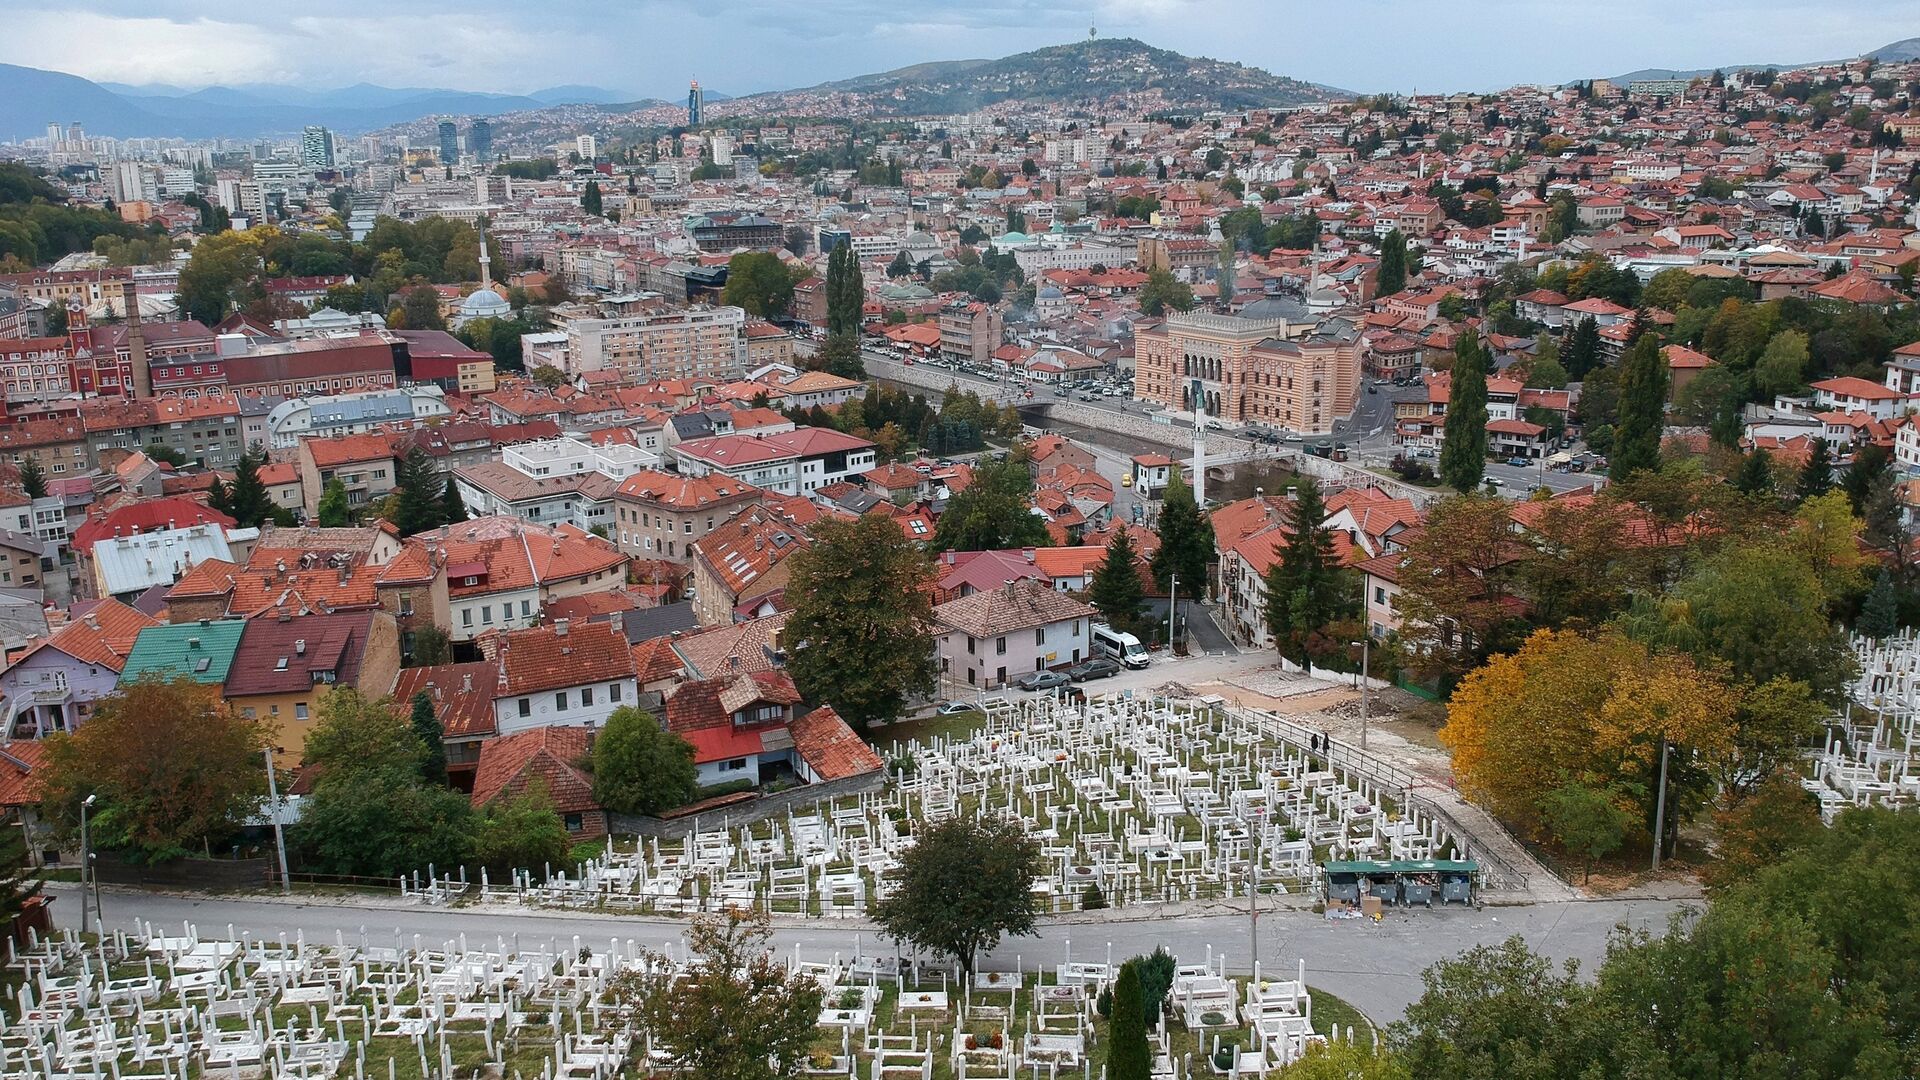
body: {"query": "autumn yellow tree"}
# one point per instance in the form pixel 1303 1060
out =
pixel 1593 710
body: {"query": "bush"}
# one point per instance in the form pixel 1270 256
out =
pixel 1093 899
pixel 727 787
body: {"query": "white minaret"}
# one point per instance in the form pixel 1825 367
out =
pixel 1199 446
pixel 486 264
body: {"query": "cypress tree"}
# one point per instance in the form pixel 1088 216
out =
pixel 1128 1056
pixel 247 501
pixel 1463 454
pixel 1643 405
pixel 1392 276
pixel 426 725
pixel 1583 349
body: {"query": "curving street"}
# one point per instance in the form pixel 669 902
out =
pixel 1376 967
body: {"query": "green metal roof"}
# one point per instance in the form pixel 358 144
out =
pixel 1404 866
pixel 201 651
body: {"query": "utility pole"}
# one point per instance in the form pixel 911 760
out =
pixel 279 833
pixel 1365 643
pixel 1660 807
pixel 86 860
pixel 1173 588
pixel 1253 895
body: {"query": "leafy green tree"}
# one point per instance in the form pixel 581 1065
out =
pixel 1782 367
pixel 381 821
pixel 993 512
pixel 840 355
pixel 420 309
pixel 1344 1060
pixel 426 728
pixel 1583 348
pixel 1495 1012
pixel 1115 590
pixel 1545 373
pixel 1586 821
pixel 863 618
pixel 1463 454
pixel 639 767
pixel 176 770
pixel 964 884
pixel 1186 540
pixel 759 283
pixel 33 480
pixel 901 266
pixel 1643 397
pixel 590 199
pixel 333 511
pixel 1392 275
pixel 19 883
pixel 735 1013
pixel 164 454
pixel 1163 291
pixel 1307 588
pixel 519 832
pixel 431 648
pixel 1128 1056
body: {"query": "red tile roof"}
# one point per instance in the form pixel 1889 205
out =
pixel 462 695
pixel 544 756
pixel 550 657
pixel 830 747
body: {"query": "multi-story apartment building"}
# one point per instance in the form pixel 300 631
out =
pixel 969 332
pixel 647 346
pixel 661 515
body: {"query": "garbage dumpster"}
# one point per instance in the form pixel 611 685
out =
pixel 1458 886
pixel 1387 889
pixel 1345 887
pixel 1419 889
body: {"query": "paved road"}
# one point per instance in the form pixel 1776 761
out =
pixel 1376 967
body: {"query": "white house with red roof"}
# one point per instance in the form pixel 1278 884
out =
pixel 1849 395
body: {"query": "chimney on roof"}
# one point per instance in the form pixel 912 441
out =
pixel 466 682
pixel 300 647
pixel 560 627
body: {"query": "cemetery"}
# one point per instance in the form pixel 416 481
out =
pixel 156 1004
pixel 1871 755
pixel 1134 800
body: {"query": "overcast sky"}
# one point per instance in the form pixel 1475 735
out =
pixel 652 47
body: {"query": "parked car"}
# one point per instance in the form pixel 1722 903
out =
pixel 949 708
pixel 1098 667
pixel 1494 481
pixel 1042 680
pixel 1518 462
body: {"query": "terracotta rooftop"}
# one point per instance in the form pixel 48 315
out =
pixel 543 756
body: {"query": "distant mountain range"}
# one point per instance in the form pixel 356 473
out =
pixel 1084 72
pixel 1902 50
pixel 36 98
pixel 1089 74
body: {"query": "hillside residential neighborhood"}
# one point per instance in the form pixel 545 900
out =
pixel 938 501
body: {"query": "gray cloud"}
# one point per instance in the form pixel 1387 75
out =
pixel 742 46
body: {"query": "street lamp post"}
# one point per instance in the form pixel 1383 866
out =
pixel 1660 807
pixel 86 861
pixel 1365 643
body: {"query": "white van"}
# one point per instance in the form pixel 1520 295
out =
pixel 1122 647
